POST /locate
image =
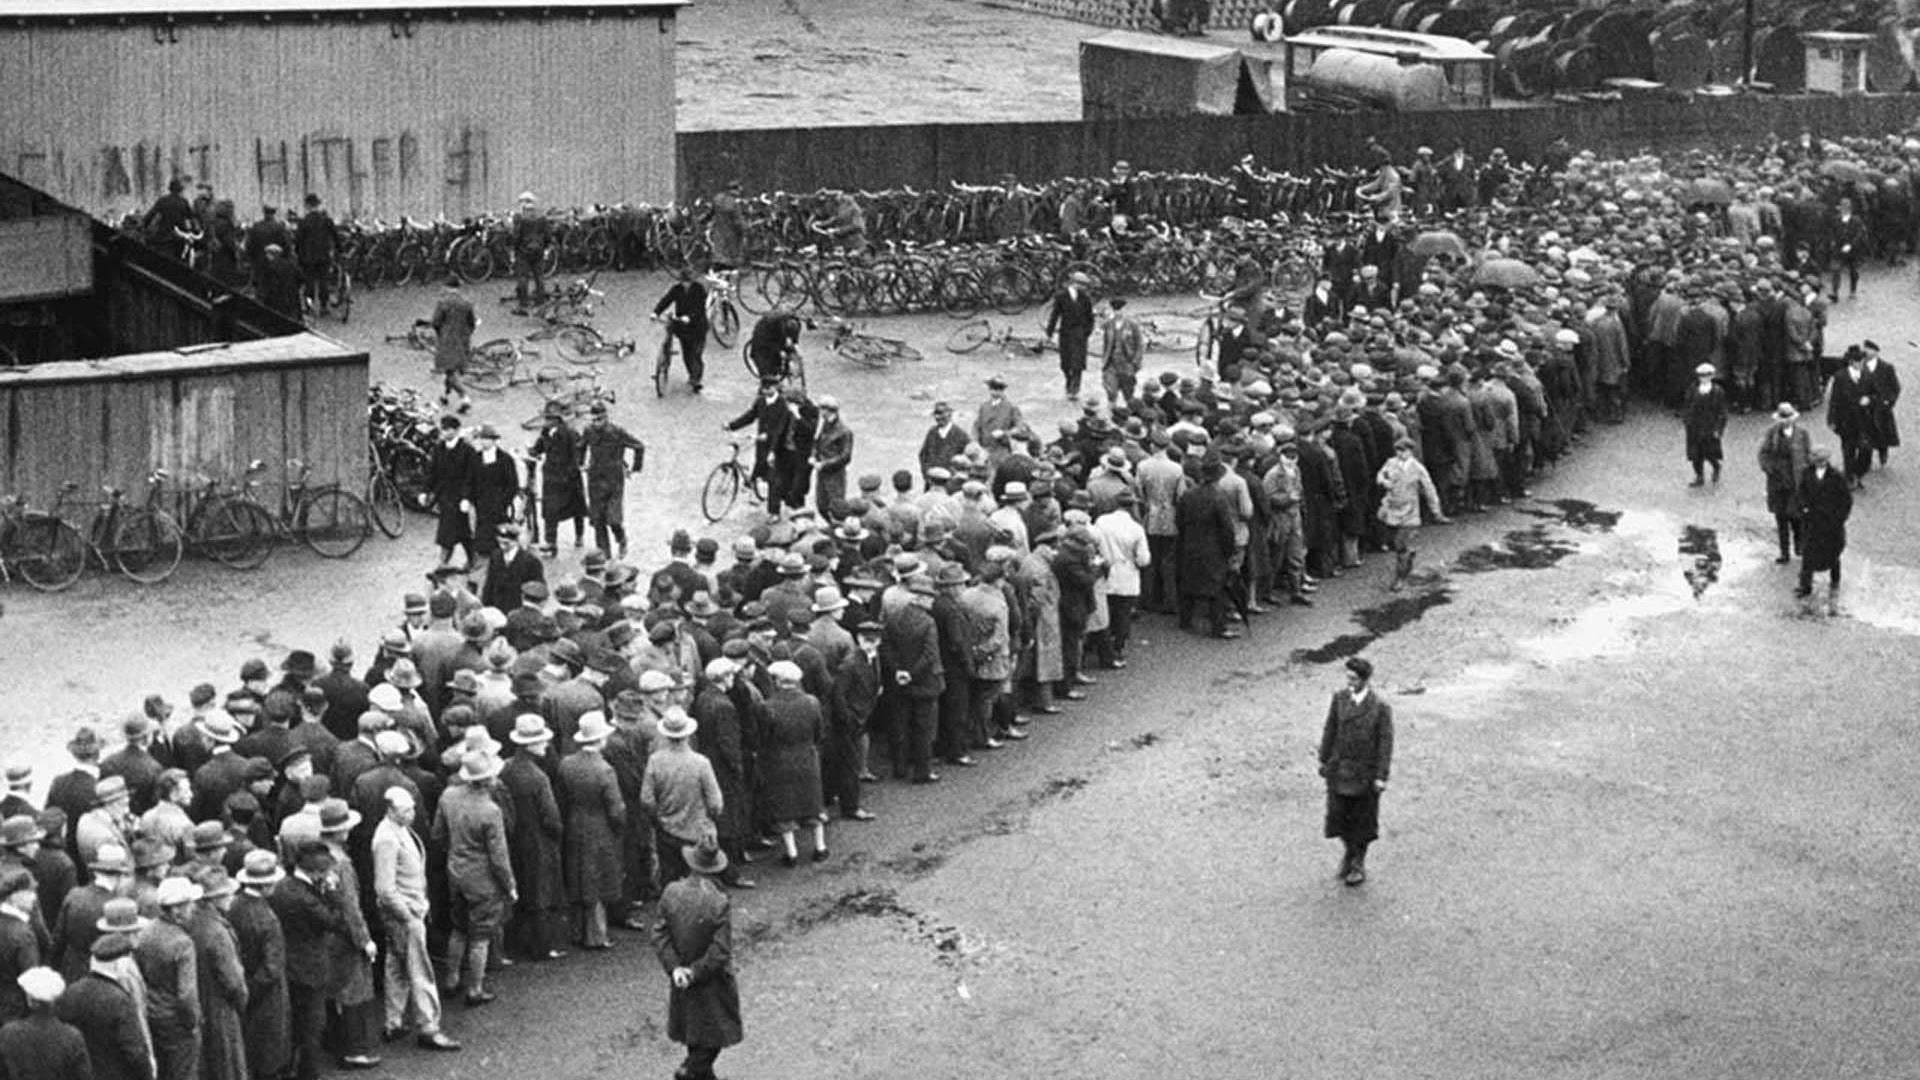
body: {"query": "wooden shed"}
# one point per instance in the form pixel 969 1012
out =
pixel 1124 73
pixel 381 107
pixel 200 411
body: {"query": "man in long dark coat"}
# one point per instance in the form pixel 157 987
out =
pixel 1848 402
pixel 1356 754
pixel 563 497
pixel 1205 522
pixel 1883 393
pixel 1071 317
pixel 607 446
pixel 267 1025
pixel 1825 504
pixel 496 482
pixel 107 1015
pixel 694 940
pixel 450 473
pixel 535 839
pixel 1705 414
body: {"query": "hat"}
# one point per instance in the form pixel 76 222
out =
pixel 784 671
pixel 605 661
pixel 676 724
pixel 706 548
pixel 385 698
pixel 209 835
pixel 793 564
pixel 950 574
pixel 567 594
pixel 20 829
pixel 111 859
pixel 827 401
pixel 534 591
pixel 655 681
pixel 214 883
pixel 394 640
pixel 500 654
pixel 1786 411
pixel 1015 491
pixel 568 652
pixel 593 729
pixel 700 604
pixel 299 663
pixel 487 431
pixel 135 726
pixel 921 585
pixel 337 817
pixel 261 867
pixel 851 531
pixel 996 382
pixel 121 915
pixel 705 857
pixel 464 681
pixel 1703 369
pixel 108 947
pixel 176 890
pixel 404 675
pixel 221 728
pixel 392 744
pixel 720 668
pixel 828 599
pixel 149 853
pixel 1361 666
pixel 476 627
pixel 108 789
pixel 530 728
pixel 42 984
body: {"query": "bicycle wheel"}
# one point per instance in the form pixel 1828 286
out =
pixel 969 336
pixel 46 551
pixel 388 508
pixel 959 294
pixel 717 495
pixel 489 367
pixel 472 260
pixel 233 533
pixel 897 350
pixel 579 344
pixel 786 287
pixel 409 263
pixel 663 366
pixel 553 382
pixel 1006 288
pixel 409 469
pixel 146 545
pixel 332 522
pixel 865 352
pixel 726 324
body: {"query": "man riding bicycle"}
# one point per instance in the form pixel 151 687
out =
pixel 774 347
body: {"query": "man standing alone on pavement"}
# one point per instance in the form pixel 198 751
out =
pixel 605 447
pixel 694 940
pixel 1356 753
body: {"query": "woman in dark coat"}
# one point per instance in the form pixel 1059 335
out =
pixel 263 955
pixel 596 817
pixel 790 761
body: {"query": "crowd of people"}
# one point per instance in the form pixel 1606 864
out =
pixel 285 871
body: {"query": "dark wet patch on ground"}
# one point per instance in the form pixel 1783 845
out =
pixel 916 863
pixel 1375 622
pixel 1143 740
pixel 948 942
pixel 1056 787
pixel 1522 549
pixel 1575 514
pixel 1703 544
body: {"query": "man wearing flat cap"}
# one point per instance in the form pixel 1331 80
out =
pixel 944 441
pixel 165 953
pixel 39 1045
pixel 1356 755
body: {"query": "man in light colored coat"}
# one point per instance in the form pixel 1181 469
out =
pixel 400 888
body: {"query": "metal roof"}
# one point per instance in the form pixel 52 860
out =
pixel 1432 47
pixel 40 10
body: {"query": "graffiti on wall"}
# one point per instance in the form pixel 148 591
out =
pixel 360 173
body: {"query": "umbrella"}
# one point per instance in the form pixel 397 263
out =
pixel 1851 172
pixel 1507 274
pixel 1717 192
pixel 1440 242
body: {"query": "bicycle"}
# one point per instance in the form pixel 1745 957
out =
pixel 45 551
pixel 142 542
pixel 867 349
pixel 234 532
pixel 384 499
pixel 331 520
pixel 582 344
pixel 794 373
pixel 723 309
pixel 970 335
pixel 493 366
pixel 663 362
pixel 725 483
pixel 419 336
pixel 574 399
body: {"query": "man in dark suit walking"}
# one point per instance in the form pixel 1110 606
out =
pixel 1883 393
pixel 1356 753
pixel 694 941
pixel 1072 319
pixel 1825 504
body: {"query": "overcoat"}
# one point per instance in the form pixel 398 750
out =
pixel 1039 592
pixel 1205 523
pixel 790 756
pixel 696 931
pixel 721 738
pixel 1356 746
pixel 1883 393
pixel 1783 460
pixel 596 817
pixel 1825 503
pixel 223 996
pixel 263 955
pixel 563 495
pixel 537 838
pixel 109 1020
pixel 42 1047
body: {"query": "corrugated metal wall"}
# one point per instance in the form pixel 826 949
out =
pixel 209 422
pixel 381 118
pixel 931 155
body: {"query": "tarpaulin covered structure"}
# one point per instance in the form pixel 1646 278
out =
pixel 1125 74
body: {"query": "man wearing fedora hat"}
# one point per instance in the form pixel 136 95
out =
pixel 311 907
pixel 223 774
pixel 1070 322
pixel 350 990
pixel 955 631
pixel 165 954
pixel 468 826
pixel 76 922
pixel 694 941
pixel 108 821
pixel 536 835
pixel 596 817
pixel 263 955
pixel 39 1044
pixel 219 977
pixel 105 1004
pixel 1786 451
pixel 913 679
pixel 680 792
pixel 1356 755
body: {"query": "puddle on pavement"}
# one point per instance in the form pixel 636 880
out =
pixel 1376 622
pixel 1575 514
pixel 1522 549
pixel 1703 545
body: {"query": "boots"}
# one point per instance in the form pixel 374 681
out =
pixel 1357 868
pixel 1716 472
pixel 1833 600
pixel 1346 863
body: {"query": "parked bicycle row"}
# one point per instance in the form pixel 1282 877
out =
pixel 229 523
